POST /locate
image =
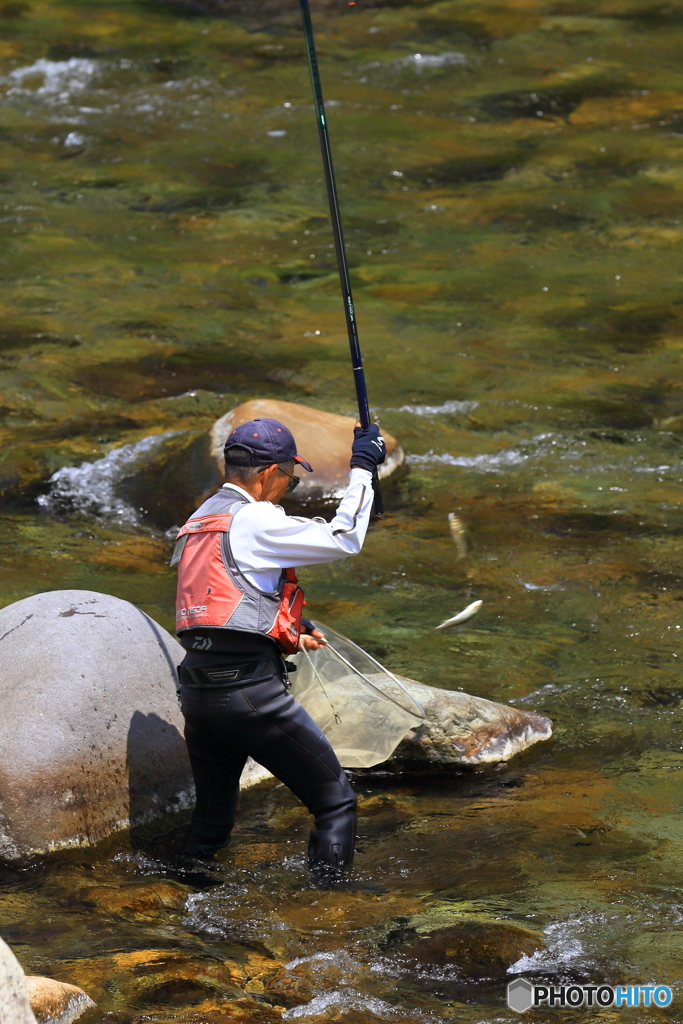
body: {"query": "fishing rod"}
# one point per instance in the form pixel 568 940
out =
pixel 344 280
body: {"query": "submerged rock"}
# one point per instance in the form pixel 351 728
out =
pixel 14 1002
pixel 467 949
pixel 143 901
pixel 154 977
pixel 323 438
pixel 91 731
pixel 606 110
pixel 56 1002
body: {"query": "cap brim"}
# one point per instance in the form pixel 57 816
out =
pixel 302 462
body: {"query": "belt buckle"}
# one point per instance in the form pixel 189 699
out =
pixel 223 675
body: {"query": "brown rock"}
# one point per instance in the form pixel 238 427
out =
pixel 224 1011
pixel 137 899
pixel 291 987
pixel 604 110
pixel 151 978
pixel 55 1002
pixel 479 949
pixel 322 438
pixel 462 729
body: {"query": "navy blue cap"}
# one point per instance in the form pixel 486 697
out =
pixel 261 443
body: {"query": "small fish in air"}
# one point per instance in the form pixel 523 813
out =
pixel 459 534
pixel 462 616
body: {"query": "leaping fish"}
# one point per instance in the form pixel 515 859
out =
pixel 459 534
pixel 462 616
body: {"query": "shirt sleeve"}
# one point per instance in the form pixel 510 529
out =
pixel 263 536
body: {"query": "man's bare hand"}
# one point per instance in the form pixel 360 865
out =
pixel 312 641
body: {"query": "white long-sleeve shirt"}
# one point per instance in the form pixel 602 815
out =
pixel 265 540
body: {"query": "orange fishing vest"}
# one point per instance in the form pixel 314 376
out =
pixel 213 592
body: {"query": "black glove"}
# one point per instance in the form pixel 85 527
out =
pixel 368 449
pixel 307 626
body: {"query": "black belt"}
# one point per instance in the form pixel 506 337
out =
pixel 245 674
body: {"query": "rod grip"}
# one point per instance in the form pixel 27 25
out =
pixel 377 495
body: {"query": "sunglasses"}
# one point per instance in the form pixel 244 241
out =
pixel 294 481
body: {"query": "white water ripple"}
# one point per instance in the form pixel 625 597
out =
pixel 447 408
pixel 575 454
pixel 346 999
pixel 484 463
pixel 91 487
pixel 419 61
pixel 53 81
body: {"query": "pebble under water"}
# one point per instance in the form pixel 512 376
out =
pixel 511 177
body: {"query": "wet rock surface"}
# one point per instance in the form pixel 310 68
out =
pixel 90 726
pixel 322 438
pixel 461 729
pixel 468 951
pixel 55 1002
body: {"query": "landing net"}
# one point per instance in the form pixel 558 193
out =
pixel 362 708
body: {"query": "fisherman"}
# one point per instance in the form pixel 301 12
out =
pixel 238 615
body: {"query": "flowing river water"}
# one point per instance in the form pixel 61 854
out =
pixel 511 177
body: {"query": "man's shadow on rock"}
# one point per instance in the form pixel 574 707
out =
pixel 159 777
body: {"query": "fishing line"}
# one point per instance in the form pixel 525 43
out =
pixel 336 714
pixel 378 689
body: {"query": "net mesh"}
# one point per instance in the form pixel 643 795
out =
pixel 360 706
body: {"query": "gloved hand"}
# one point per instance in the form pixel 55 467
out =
pixel 368 450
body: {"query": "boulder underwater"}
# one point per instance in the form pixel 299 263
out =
pixel 322 438
pixel 91 732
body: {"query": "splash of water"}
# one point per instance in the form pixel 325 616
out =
pixel 346 999
pixel 61 79
pixel 90 489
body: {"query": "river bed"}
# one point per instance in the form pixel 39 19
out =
pixel 511 179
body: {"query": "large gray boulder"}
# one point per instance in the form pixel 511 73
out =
pixel 90 729
pixel 91 732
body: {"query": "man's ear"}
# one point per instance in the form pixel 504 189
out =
pixel 267 477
